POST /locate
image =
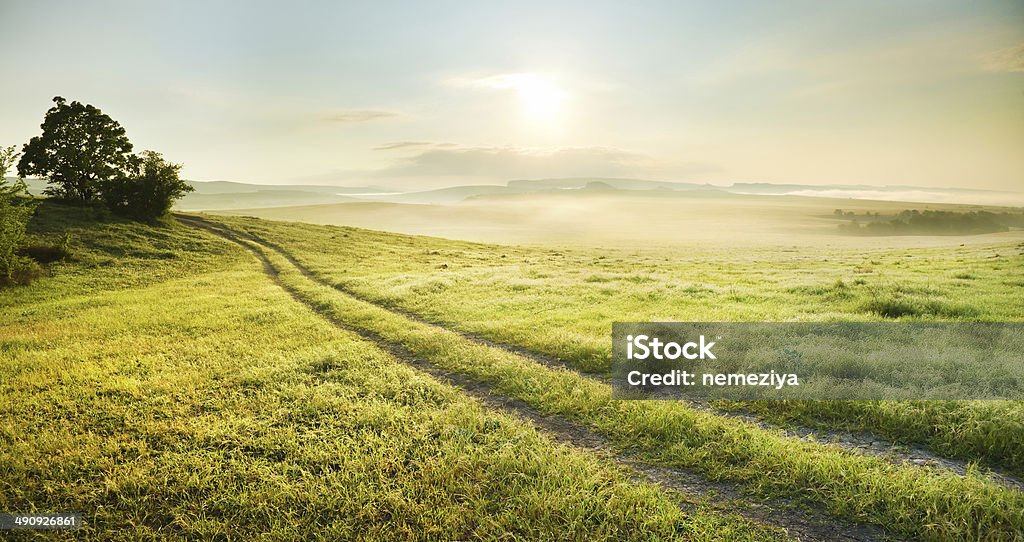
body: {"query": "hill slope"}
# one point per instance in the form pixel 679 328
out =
pixel 227 376
pixel 164 386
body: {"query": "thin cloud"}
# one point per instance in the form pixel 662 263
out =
pixel 500 81
pixel 402 145
pixel 1010 59
pixel 513 162
pixel 459 164
pixel 358 115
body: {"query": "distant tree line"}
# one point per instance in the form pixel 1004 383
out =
pixel 914 222
pixel 852 215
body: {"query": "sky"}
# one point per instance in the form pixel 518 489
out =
pixel 418 95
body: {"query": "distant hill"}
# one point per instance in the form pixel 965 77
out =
pixel 452 194
pixel 234 195
pixel 883 193
pixel 35 186
pixel 620 184
pixel 835 191
pixel 579 185
pixel 777 188
pixel 233 187
pixel 259 198
pixel 223 195
pixel 599 215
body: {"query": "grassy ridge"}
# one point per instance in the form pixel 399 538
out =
pixel 913 501
pixel 562 303
pixel 165 387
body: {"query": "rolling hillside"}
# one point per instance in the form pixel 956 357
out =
pixel 216 377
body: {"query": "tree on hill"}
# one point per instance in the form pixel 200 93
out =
pixel 16 209
pixel 80 148
pixel 147 192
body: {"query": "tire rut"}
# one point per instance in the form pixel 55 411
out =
pixel 863 443
pixel 797 520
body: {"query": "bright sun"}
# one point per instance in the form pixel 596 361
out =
pixel 542 101
pixel 540 98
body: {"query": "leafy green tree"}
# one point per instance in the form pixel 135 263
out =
pixel 149 191
pixel 16 209
pixel 80 149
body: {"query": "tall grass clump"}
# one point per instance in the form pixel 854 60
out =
pixel 16 209
pixel 896 301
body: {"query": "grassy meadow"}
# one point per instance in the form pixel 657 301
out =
pixel 166 387
pixel 232 377
pixel 512 271
pixel 560 300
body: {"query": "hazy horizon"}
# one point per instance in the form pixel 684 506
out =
pixel 413 96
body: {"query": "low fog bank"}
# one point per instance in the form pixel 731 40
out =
pixel 706 218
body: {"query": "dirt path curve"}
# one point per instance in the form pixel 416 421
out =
pixel 800 522
pixel 862 443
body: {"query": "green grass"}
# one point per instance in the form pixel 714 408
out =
pixel 165 387
pixel 561 302
pixel 914 501
pixel 160 382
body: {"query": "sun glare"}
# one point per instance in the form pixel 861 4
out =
pixel 541 100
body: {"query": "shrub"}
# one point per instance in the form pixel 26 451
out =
pixel 148 193
pixel 21 271
pixel 893 307
pixel 44 252
pixel 16 208
pixel 896 306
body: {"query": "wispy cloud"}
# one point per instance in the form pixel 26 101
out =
pixel 512 162
pixel 498 81
pixel 447 163
pixel 403 145
pixel 1010 59
pixel 358 115
pixel 780 66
